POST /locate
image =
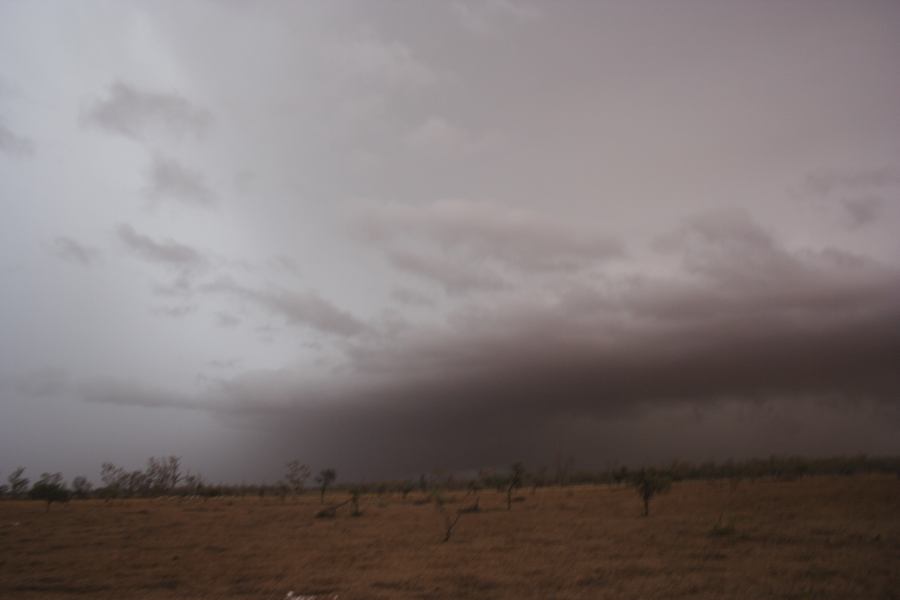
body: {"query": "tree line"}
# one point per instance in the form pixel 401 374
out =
pixel 165 476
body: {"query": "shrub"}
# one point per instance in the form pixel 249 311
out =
pixel 50 488
pixel 649 483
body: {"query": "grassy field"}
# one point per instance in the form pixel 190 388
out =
pixel 829 537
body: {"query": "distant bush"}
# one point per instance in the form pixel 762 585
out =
pixel 18 483
pixel 516 474
pixel 648 484
pixel 325 478
pixel 50 488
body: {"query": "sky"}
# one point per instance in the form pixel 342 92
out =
pixel 397 237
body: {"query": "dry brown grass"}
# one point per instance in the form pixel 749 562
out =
pixel 813 538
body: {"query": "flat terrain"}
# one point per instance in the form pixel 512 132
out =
pixel 832 537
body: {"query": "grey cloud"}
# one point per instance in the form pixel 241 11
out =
pixel 130 111
pixel 47 382
pixel 456 277
pixel 410 297
pixel 72 250
pixel 14 144
pixel 176 311
pixel 487 395
pixel 170 180
pixel 227 320
pixel 506 376
pixel 229 363
pixel 484 17
pixel 167 252
pixel 306 308
pixel 737 266
pixel 842 180
pixel 513 237
pixel 180 286
pixel 864 210
pixel 285 263
pixel 126 392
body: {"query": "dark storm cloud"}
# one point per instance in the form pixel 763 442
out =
pixel 167 252
pixel 14 144
pixel 516 238
pixel 306 308
pixel 751 323
pixel 473 399
pixel 168 180
pixel 74 251
pixel 130 111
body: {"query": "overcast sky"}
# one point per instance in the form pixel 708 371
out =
pixel 392 237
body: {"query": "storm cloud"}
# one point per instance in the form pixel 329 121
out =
pixel 394 238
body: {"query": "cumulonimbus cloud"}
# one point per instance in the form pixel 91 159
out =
pixel 794 326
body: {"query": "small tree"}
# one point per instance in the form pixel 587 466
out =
pixel 18 485
pixel 325 478
pixel 297 474
pixel 517 473
pixel 162 475
pixel 113 479
pixel 406 487
pixel 355 493
pixel 649 483
pixel 50 488
pixel 538 479
pixel 450 520
pixel 81 487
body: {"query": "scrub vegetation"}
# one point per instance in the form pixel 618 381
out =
pixel 769 534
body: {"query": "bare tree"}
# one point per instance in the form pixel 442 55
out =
pixel 18 484
pixel 162 474
pixel 564 466
pixel 325 478
pixel 649 483
pixel 113 479
pixel 355 494
pixel 516 474
pixel 193 484
pixel 406 487
pixel 81 487
pixel 50 488
pixel 297 474
pixel 538 479
pixel 451 519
